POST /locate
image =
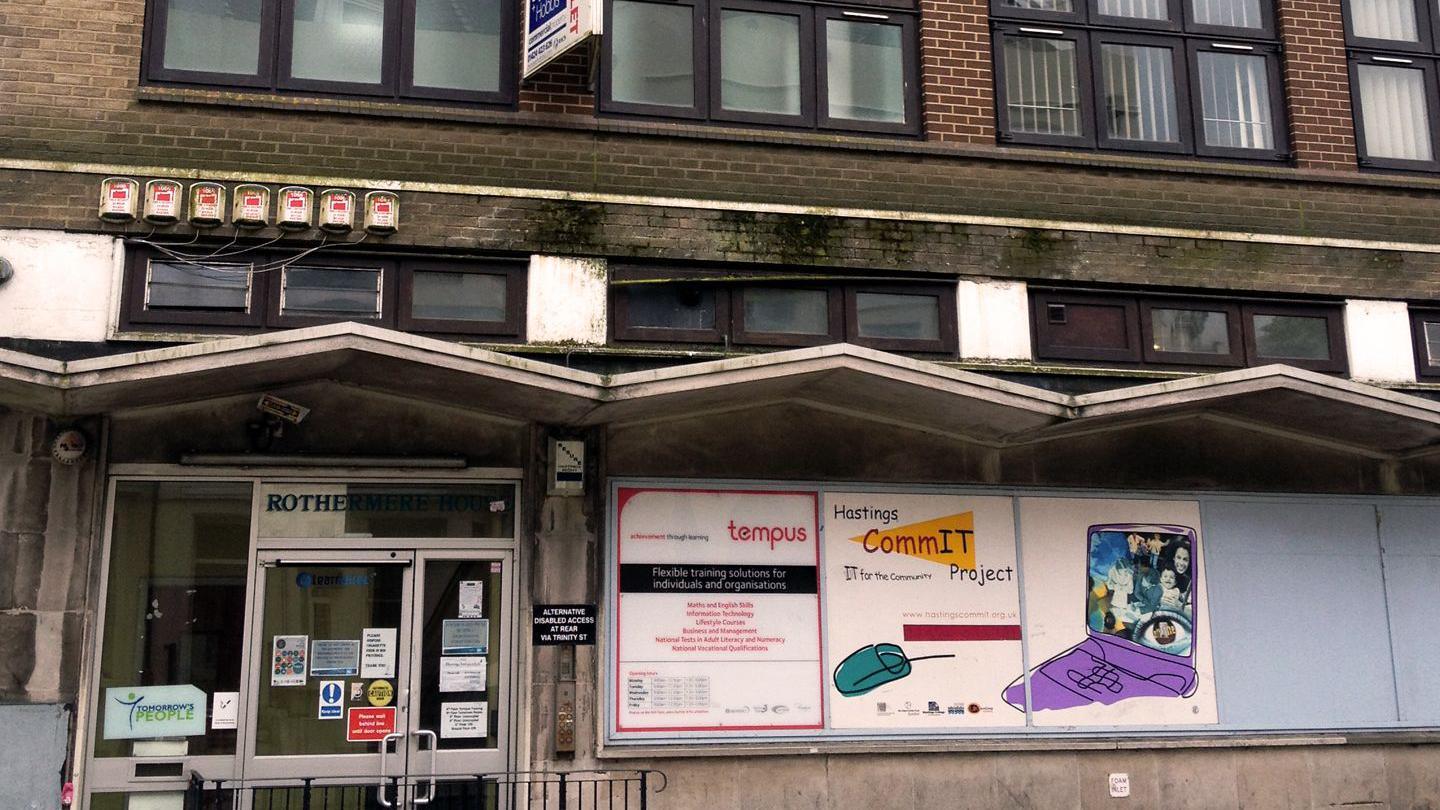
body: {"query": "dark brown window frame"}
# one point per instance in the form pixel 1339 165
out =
pixel 1427 66
pixel 814 90
pixel 729 313
pixel 1043 333
pixel 397 59
pixel 275 318
pixel 1419 316
pixel 264 313
pixel 1422 55
pixel 1234 327
pixel 1090 29
pixel 513 325
pixel 1138 307
pixel 134 311
pixel 1334 326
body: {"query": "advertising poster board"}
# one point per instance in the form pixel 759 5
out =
pixel 717 611
pixel 1116 614
pixel 922 606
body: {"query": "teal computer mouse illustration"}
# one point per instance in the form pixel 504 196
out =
pixel 873 666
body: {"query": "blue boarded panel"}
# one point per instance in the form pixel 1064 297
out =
pixel 1411 538
pixel 1297 604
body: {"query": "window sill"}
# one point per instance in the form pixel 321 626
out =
pixel 1113 742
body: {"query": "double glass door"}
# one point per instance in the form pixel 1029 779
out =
pixel 380 667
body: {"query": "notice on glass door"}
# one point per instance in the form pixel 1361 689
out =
pixel 462 673
pixel 287 660
pixel 330 658
pixel 469 719
pixel 472 599
pixel 377 652
pixel 465 637
pixel 718 611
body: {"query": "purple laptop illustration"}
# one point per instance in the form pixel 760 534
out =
pixel 1139 619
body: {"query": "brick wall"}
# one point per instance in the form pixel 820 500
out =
pixel 959 96
pixel 561 87
pixel 1317 84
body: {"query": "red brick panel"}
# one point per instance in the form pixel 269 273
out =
pixel 1317 84
pixel 561 87
pixel 956 71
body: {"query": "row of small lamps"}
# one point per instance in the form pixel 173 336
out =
pixel 165 202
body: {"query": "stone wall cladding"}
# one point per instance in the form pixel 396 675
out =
pixel 472 224
pixel 1317 84
pixel 45 531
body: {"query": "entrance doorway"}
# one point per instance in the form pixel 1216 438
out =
pixel 380 663
pixel 260 633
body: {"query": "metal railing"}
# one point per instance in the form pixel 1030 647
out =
pixel 515 790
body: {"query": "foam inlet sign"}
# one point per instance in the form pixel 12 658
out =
pixel 718 613
pixel 553 27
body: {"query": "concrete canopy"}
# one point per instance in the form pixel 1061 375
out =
pixel 862 382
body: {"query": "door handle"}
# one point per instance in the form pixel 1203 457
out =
pixel 434 750
pixel 384 751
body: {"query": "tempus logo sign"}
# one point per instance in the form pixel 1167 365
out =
pixel 150 712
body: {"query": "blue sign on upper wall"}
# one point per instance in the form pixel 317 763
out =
pixel 553 27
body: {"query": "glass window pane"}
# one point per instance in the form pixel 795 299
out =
pixel 457 44
pixel 865 71
pixel 175 603
pixel 898 315
pixel 331 292
pixel 387 510
pixel 444 580
pixel 1292 337
pixel 1229 13
pixel 1059 6
pixel 1136 9
pixel 1140 100
pixel 652 54
pixel 759 62
pixel 338 40
pixel 1384 19
pixel 670 306
pixel 1394 113
pixel 312 603
pixel 458 296
pixel 212 286
pixel 217 36
pixel 1042 95
pixel 1432 343
pixel 1235 100
pixel 1190 331
pixel 790 312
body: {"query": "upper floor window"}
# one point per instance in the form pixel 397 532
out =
pixel 1179 76
pixel 256 290
pixel 915 315
pixel 1176 331
pixel 418 49
pixel 1394 45
pixel 761 62
pixel 1425 327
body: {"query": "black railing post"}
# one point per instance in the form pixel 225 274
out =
pixel 562 790
pixel 644 789
pixel 305 797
